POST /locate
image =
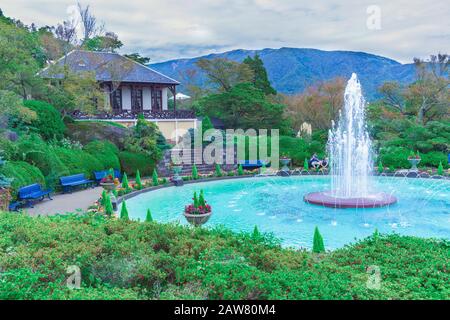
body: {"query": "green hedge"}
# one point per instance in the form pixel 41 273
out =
pixel 105 152
pixel 397 157
pixel 48 122
pixel 130 162
pixel 78 161
pixel 23 174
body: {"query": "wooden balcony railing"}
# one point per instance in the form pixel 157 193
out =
pixel 129 115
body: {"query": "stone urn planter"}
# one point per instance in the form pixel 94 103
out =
pixel 197 219
pixel 285 162
pixel 108 186
pixel 414 162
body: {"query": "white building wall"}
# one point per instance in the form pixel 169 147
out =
pixel 164 98
pixel 126 98
pixel 147 98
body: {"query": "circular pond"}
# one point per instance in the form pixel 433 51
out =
pixel 275 204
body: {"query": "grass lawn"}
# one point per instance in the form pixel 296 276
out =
pixel 142 260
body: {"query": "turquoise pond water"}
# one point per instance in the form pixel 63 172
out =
pixel 275 204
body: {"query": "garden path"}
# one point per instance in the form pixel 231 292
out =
pixel 66 203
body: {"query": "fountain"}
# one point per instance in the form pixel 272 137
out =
pixel 351 163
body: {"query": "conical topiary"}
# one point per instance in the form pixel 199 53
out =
pixel 103 198
pixel 138 180
pixel 125 183
pixel 201 199
pixel 108 206
pixel 256 234
pixel 240 170
pixel 218 170
pixel 124 212
pixel 305 164
pixel 155 177
pixel 440 169
pixel 195 200
pixel 148 217
pixel 318 246
pixel 194 172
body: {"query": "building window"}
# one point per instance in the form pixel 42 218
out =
pixel 156 99
pixel 117 100
pixel 136 100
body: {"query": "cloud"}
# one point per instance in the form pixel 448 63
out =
pixel 185 28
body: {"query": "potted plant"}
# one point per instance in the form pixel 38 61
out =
pixel 414 160
pixel 199 212
pixel 108 182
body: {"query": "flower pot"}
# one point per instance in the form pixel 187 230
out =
pixel 197 219
pixel 414 162
pixel 108 186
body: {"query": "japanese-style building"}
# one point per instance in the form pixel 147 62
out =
pixel 130 88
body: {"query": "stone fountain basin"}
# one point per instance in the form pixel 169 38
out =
pixel 327 200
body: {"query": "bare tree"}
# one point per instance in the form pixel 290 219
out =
pixel 91 27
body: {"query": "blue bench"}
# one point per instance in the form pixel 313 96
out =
pixel 69 182
pixel 33 192
pixel 99 175
pixel 252 164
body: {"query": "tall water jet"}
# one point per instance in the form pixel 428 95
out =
pixel 351 163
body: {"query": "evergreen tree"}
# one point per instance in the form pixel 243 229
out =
pixel 195 200
pixel 240 170
pixel 201 199
pixel 194 172
pixel 148 217
pixel 124 212
pixel 318 246
pixel 218 170
pixel 440 170
pixel 103 199
pixel 125 183
pixel 155 177
pixel 138 180
pixel 108 206
pixel 260 78
pixel 256 234
pixel 306 164
pixel 206 124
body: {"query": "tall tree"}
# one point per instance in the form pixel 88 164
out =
pixel 138 58
pixel 430 94
pixel 223 74
pixel 107 43
pixel 260 78
pixel 91 27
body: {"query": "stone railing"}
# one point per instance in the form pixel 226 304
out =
pixel 130 115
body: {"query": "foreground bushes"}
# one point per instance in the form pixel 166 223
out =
pixel 48 122
pixel 121 260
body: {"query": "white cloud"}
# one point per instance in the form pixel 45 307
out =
pixel 183 28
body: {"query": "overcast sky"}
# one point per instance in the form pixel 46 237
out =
pixel 167 29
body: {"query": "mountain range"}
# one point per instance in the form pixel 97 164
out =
pixel 292 70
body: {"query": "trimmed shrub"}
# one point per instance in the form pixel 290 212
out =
pixel 124 212
pixel 48 122
pixel 194 172
pixel 318 246
pixel 433 159
pixel 23 174
pixel 138 180
pixel 78 161
pixel 105 152
pixel 396 157
pixel 440 170
pixel 155 177
pixel 148 217
pixel 130 162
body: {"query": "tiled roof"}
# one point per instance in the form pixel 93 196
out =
pixel 107 67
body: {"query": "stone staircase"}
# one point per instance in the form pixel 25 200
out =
pixel 188 161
